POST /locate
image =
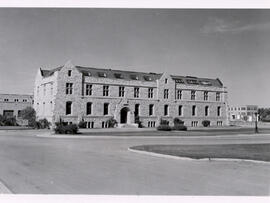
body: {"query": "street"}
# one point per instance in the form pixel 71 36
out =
pixel 103 165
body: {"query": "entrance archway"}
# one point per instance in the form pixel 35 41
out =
pixel 124 115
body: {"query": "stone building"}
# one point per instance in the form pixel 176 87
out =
pixel 73 93
pixel 12 104
pixel 243 113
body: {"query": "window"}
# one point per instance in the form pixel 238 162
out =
pixel 102 74
pixel 90 124
pixel 88 89
pixel 19 114
pixel 69 87
pixel 68 108
pixel 69 73
pixel 194 123
pixel 205 95
pixel 193 95
pixel 104 124
pixel 106 109
pixel 151 124
pixel 150 92
pixel 219 123
pixel 134 77
pixel 193 113
pixel 180 109
pixel 166 93
pixel 137 110
pixel 105 90
pixel 218 111
pixel 88 108
pixel 118 76
pixel 121 91
pixel 136 92
pixel 16 100
pixel 147 78
pixel 44 90
pixel 151 109
pixel 6 100
pixel 179 94
pixel 206 111
pixel 218 96
pixel 166 80
pixel 24 100
pixel 166 110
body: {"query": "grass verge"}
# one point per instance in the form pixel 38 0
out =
pixel 260 152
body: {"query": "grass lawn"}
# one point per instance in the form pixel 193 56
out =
pixel 238 151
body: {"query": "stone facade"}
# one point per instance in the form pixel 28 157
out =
pixel 12 104
pixel 51 95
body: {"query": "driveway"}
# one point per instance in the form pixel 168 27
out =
pixel 103 165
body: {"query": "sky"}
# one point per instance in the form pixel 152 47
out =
pixel 229 44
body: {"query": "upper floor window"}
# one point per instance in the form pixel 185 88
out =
pixel 205 95
pixel 179 94
pixel 105 90
pixel 193 113
pixel 151 109
pixel 68 107
pixel 150 92
pixel 193 95
pixel 166 80
pixel 206 111
pixel 166 93
pixel 121 91
pixel 88 89
pixel 136 92
pixel 218 96
pixel 16 100
pixel 69 87
pixel 6 100
pixel 106 109
pixel 218 111
pixel 88 108
pixel 24 100
pixel 166 110
pixel 180 110
pixel 69 73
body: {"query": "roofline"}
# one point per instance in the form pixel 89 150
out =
pixel 17 94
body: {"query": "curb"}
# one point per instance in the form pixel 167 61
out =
pixel 191 159
pixel 4 189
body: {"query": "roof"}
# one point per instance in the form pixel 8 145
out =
pixel 140 76
pixel 190 80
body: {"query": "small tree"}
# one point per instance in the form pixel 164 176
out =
pixel 177 121
pixel 112 122
pixel 29 114
pixel 206 123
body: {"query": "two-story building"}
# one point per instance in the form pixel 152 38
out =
pixel 73 93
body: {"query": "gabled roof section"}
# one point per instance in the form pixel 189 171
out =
pixel 118 74
pixel 47 73
pixel 190 80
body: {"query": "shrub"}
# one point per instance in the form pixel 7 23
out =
pixel 111 123
pixel 66 129
pixel 82 124
pixel 29 114
pixel 137 120
pixel 164 122
pixel 177 121
pixel 180 127
pixel 9 121
pixel 164 128
pixel 206 123
pixel 43 123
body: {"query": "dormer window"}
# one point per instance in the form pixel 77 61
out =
pixel 206 83
pixel 118 75
pixel 166 80
pixel 134 77
pixel 69 73
pixel 193 82
pixel 102 75
pixel 147 78
pixel 179 81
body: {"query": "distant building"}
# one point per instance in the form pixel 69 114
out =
pixel 243 113
pixel 13 104
pixel 73 93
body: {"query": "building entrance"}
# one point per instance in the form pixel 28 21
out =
pixel 124 115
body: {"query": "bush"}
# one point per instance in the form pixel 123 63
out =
pixel 29 114
pixel 206 123
pixel 111 123
pixel 164 128
pixel 137 120
pixel 82 124
pixel 66 129
pixel 180 127
pixel 44 123
pixel 9 121
pixel 164 122
pixel 177 121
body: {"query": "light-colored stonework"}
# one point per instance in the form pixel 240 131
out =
pixel 50 97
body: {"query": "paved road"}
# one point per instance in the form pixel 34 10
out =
pixel 102 165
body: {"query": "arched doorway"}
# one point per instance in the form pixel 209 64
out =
pixel 124 115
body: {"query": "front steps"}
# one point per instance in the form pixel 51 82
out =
pixel 126 125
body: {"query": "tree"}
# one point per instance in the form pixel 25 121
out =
pixel 29 114
pixel 264 114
